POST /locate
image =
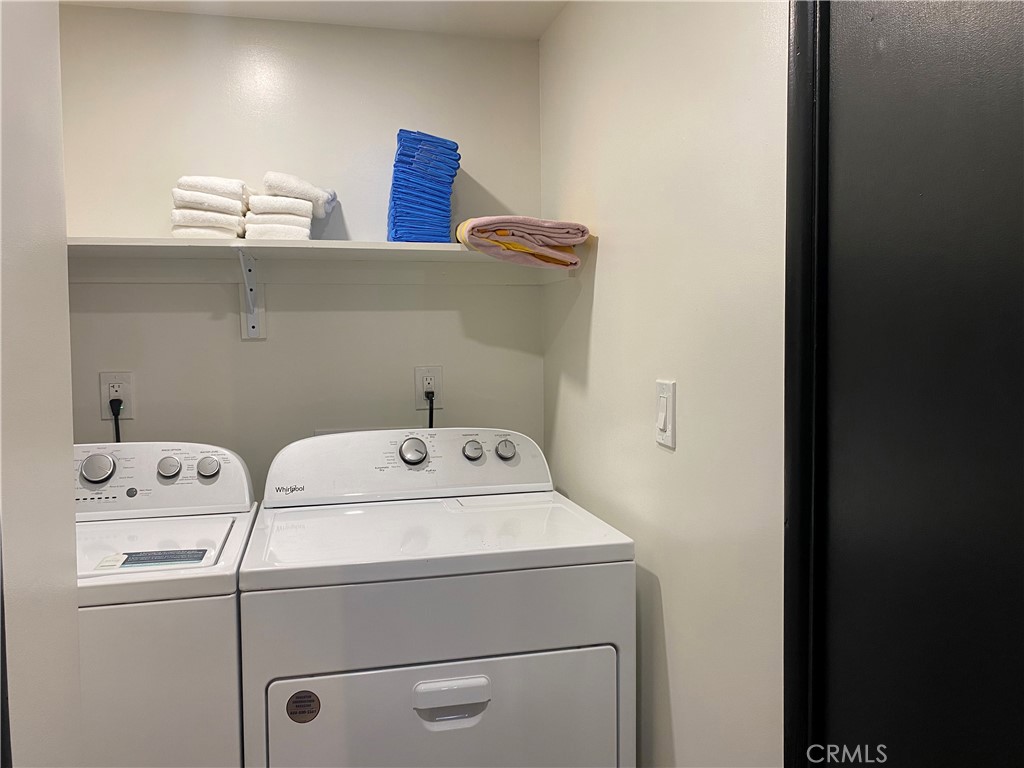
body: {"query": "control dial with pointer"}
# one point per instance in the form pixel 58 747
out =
pixel 208 466
pixel 168 467
pixel 413 451
pixel 472 450
pixel 506 450
pixel 98 468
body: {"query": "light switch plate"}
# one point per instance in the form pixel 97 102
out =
pixel 665 413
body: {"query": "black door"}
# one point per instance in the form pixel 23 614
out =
pixel 905 385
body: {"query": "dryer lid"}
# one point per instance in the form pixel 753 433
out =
pixel 358 543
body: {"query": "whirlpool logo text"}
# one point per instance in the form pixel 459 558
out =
pixel 288 490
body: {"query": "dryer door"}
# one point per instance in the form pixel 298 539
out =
pixel 540 709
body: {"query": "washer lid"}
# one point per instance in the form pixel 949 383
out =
pixel 356 543
pixel 163 558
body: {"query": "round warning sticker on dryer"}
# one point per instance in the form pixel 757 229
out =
pixel 303 706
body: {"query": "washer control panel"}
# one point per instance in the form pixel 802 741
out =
pixel 127 480
pixel 388 465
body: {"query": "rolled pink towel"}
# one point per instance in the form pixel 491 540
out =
pixel 525 240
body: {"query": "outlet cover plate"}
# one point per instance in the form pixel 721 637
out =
pixel 420 401
pixel 126 381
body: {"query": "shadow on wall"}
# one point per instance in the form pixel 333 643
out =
pixel 470 199
pixel 568 312
pixel 654 706
pixel 474 308
pixel 333 227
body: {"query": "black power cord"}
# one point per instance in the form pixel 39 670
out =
pixel 115 410
pixel 429 394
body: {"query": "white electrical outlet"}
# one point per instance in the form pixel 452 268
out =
pixel 120 385
pixel 424 378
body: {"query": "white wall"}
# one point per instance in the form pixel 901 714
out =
pixel 663 128
pixel 336 356
pixel 149 96
pixel 40 598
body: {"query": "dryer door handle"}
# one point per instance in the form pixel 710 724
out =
pixel 454 703
pixel 432 694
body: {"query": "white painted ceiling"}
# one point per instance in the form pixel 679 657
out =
pixel 525 20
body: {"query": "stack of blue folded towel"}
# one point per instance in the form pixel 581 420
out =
pixel 421 188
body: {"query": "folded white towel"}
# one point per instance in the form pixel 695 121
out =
pixel 204 233
pixel 275 232
pixel 286 185
pixel 203 201
pixel 271 204
pixel 181 217
pixel 215 185
pixel 304 222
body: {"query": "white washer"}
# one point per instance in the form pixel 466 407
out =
pixel 161 530
pixel 425 598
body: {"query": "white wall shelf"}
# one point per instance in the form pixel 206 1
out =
pixel 255 263
pixel 169 260
pixel 340 250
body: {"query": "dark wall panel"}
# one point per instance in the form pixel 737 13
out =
pixel 924 439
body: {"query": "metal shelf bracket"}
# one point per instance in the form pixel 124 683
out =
pixel 252 313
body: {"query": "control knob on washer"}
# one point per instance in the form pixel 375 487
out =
pixel 506 450
pixel 472 450
pixel 168 467
pixel 208 466
pixel 413 451
pixel 98 468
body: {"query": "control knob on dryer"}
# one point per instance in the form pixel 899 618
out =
pixel 505 449
pixel 413 451
pixel 98 468
pixel 208 466
pixel 472 450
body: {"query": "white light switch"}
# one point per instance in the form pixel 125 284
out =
pixel 665 413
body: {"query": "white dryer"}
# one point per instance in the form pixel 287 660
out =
pixel 161 529
pixel 425 598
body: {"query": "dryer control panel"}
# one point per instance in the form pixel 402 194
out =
pixel 397 464
pixel 130 480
